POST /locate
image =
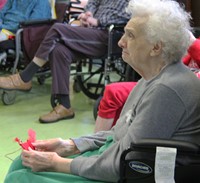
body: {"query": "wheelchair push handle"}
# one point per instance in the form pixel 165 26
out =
pixel 180 145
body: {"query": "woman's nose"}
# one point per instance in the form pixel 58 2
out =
pixel 121 42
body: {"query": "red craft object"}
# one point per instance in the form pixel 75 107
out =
pixel 28 143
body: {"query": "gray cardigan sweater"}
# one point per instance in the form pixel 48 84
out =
pixel 168 106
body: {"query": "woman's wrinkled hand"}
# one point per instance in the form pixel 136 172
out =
pixel 39 161
pixel 62 147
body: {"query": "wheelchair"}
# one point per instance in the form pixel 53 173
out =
pixel 142 170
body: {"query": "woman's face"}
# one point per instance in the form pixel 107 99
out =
pixel 135 47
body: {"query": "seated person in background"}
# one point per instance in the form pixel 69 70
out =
pixel 64 44
pixel 115 94
pixel 16 11
pixel 111 104
pixel 192 59
pixel 161 105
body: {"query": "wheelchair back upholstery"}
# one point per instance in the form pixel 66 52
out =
pixel 32 37
pixel 115 33
pixel 60 9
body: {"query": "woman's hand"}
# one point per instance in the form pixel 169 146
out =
pixel 39 161
pixel 62 147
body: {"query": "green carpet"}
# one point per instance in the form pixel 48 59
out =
pixel 16 119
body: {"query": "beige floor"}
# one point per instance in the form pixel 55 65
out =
pixel 16 119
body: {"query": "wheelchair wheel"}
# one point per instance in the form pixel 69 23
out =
pixel 90 77
pixel 96 106
pixel 8 97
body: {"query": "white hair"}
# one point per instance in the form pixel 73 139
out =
pixel 167 22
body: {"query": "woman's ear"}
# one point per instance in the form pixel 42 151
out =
pixel 156 50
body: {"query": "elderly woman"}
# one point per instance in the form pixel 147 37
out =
pixel 115 94
pixel 164 104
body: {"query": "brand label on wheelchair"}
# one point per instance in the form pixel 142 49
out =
pixel 140 167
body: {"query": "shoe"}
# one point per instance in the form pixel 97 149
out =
pixel 14 82
pixel 58 113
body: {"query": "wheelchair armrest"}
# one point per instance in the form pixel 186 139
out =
pixel 76 2
pixel 74 14
pixel 74 10
pixel 115 27
pixel 79 8
pixel 119 25
pixel 147 148
pixel 153 143
pixel 75 6
pixel 37 22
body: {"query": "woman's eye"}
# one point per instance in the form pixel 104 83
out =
pixel 130 35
